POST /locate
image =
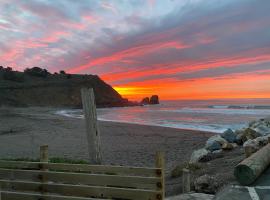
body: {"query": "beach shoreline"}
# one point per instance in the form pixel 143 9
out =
pixel 23 130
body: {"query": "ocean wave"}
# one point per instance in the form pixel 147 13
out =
pixel 70 113
pixel 214 128
pixel 223 111
pixel 259 107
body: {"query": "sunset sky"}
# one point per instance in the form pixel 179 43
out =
pixel 178 49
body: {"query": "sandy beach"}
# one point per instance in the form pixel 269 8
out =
pixel 23 130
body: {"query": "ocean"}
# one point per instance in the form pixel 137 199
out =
pixel 205 115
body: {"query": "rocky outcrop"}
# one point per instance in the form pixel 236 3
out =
pixel 37 87
pixel 145 101
pixel 153 100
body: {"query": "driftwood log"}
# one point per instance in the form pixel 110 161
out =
pixel 252 167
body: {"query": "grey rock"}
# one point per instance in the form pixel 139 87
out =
pixel 229 135
pixel 250 133
pixel 215 143
pixel 255 144
pixel 262 129
pixel 206 184
pixel 198 155
pixel 240 137
pixel 227 146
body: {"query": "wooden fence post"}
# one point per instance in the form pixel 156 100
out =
pixel 160 163
pixel 186 180
pixel 92 130
pixel 44 156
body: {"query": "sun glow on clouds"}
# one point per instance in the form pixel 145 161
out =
pixel 176 49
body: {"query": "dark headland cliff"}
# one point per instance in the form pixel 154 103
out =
pixel 38 87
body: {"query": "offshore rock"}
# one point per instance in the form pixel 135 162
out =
pixel 154 99
pixel 145 101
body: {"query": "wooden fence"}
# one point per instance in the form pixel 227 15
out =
pixel 58 181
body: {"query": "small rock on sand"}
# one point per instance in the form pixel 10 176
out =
pixel 197 155
pixel 206 184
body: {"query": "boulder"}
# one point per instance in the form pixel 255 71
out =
pixel 240 137
pixel 234 145
pixel 250 133
pixel 145 101
pixel 206 184
pixel 262 141
pixel 261 126
pixel 251 146
pixel 229 135
pixel 215 143
pixel 198 155
pixel 154 99
pixel 262 129
pixel 227 146
pixel 250 143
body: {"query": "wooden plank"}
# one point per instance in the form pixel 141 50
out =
pixel 82 190
pixel 82 178
pixel 160 163
pixel 106 169
pixel 8 195
pixel 92 130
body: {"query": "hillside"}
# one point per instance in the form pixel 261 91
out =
pixel 37 87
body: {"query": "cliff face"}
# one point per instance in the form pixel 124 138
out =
pixel 23 89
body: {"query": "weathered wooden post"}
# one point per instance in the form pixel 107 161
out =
pixel 160 163
pixel 186 180
pixel 44 159
pixel 44 155
pixel 92 130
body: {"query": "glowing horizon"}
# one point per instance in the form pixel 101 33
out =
pixel 197 49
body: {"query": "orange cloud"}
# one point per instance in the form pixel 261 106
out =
pixel 238 86
pixel 131 52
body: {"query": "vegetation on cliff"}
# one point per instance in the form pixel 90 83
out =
pixel 38 87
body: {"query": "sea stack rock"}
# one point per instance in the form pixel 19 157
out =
pixel 145 101
pixel 154 99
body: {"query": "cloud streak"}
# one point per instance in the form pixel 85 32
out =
pixel 144 47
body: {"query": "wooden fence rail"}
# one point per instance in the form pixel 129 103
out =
pixel 58 181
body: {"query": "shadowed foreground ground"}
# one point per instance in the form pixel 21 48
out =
pixel 23 130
